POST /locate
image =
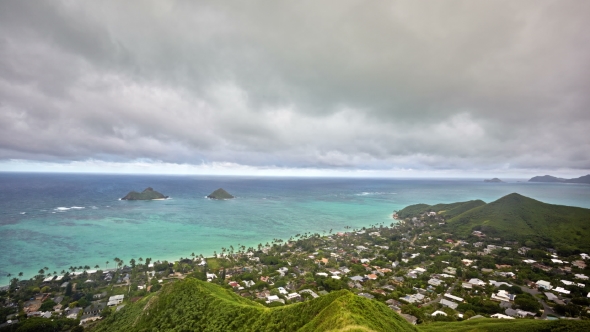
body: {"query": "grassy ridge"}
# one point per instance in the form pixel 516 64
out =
pixel 505 325
pixel 516 217
pixel 447 210
pixel 193 305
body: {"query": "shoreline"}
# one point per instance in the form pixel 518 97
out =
pixel 170 259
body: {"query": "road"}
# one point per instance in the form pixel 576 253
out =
pixel 546 308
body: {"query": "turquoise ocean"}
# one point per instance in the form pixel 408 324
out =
pixel 63 220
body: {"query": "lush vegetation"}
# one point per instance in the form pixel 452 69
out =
pixel 37 324
pixel 518 218
pixel 193 305
pixel 147 194
pixel 515 218
pixel 505 325
pixel 446 210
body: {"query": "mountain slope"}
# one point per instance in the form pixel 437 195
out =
pixel 194 305
pixel 446 210
pixel 549 178
pixel 516 217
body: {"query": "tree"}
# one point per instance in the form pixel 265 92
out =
pixel 68 291
pixel 107 264
pixel 132 262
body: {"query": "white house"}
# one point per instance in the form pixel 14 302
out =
pixel 503 295
pixel 544 284
pixel 501 316
pixel 453 297
pixel 115 300
pixel 449 304
pixel 477 282
pixel 561 290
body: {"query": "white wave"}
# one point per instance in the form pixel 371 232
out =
pixel 77 207
pixel 364 193
pixel 94 207
pixel 23 213
pixel 61 208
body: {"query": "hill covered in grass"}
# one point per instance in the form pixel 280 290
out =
pixel 194 305
pixel 446 210
pixel 516 218
pixel 508 325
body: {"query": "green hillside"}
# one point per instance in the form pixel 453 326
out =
pixel 447 210
pixel 519 218
pixel 194 305
pixel 506 325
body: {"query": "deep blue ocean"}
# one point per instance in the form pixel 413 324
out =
pixel 60 220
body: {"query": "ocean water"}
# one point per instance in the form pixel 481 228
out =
pixel 63 220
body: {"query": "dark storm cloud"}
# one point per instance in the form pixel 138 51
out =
pixel 347 84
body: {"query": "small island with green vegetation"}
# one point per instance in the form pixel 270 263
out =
pixel 146 195
pixel 496 180
pixel 220 194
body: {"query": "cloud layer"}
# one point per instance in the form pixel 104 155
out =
pixel 353 85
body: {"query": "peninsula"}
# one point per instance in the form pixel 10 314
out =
pixel 548 178
pixel 146 195
pixel 220 194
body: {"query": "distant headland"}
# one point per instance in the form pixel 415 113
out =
pixel 220 194
pixel 493 180
pixel 146 195
pixel 548 178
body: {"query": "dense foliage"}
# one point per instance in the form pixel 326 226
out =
pixel 516 218
pixel 505 325
pixel 193 305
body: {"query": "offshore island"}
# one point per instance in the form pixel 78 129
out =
pixel 220 194
pixel 148 194
pixel 515 264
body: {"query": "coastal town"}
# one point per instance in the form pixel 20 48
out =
pixel 411 266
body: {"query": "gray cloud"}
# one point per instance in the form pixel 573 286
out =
pixel 343 84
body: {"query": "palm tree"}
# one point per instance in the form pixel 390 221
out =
pixel 20 274
pixel 107 265
pixel 97 266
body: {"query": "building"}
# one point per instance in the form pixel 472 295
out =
pixel 453 297
pixel 544 284
pixel 450 304
pixel 115 300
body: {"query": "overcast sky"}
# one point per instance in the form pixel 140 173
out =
pixel 399 88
